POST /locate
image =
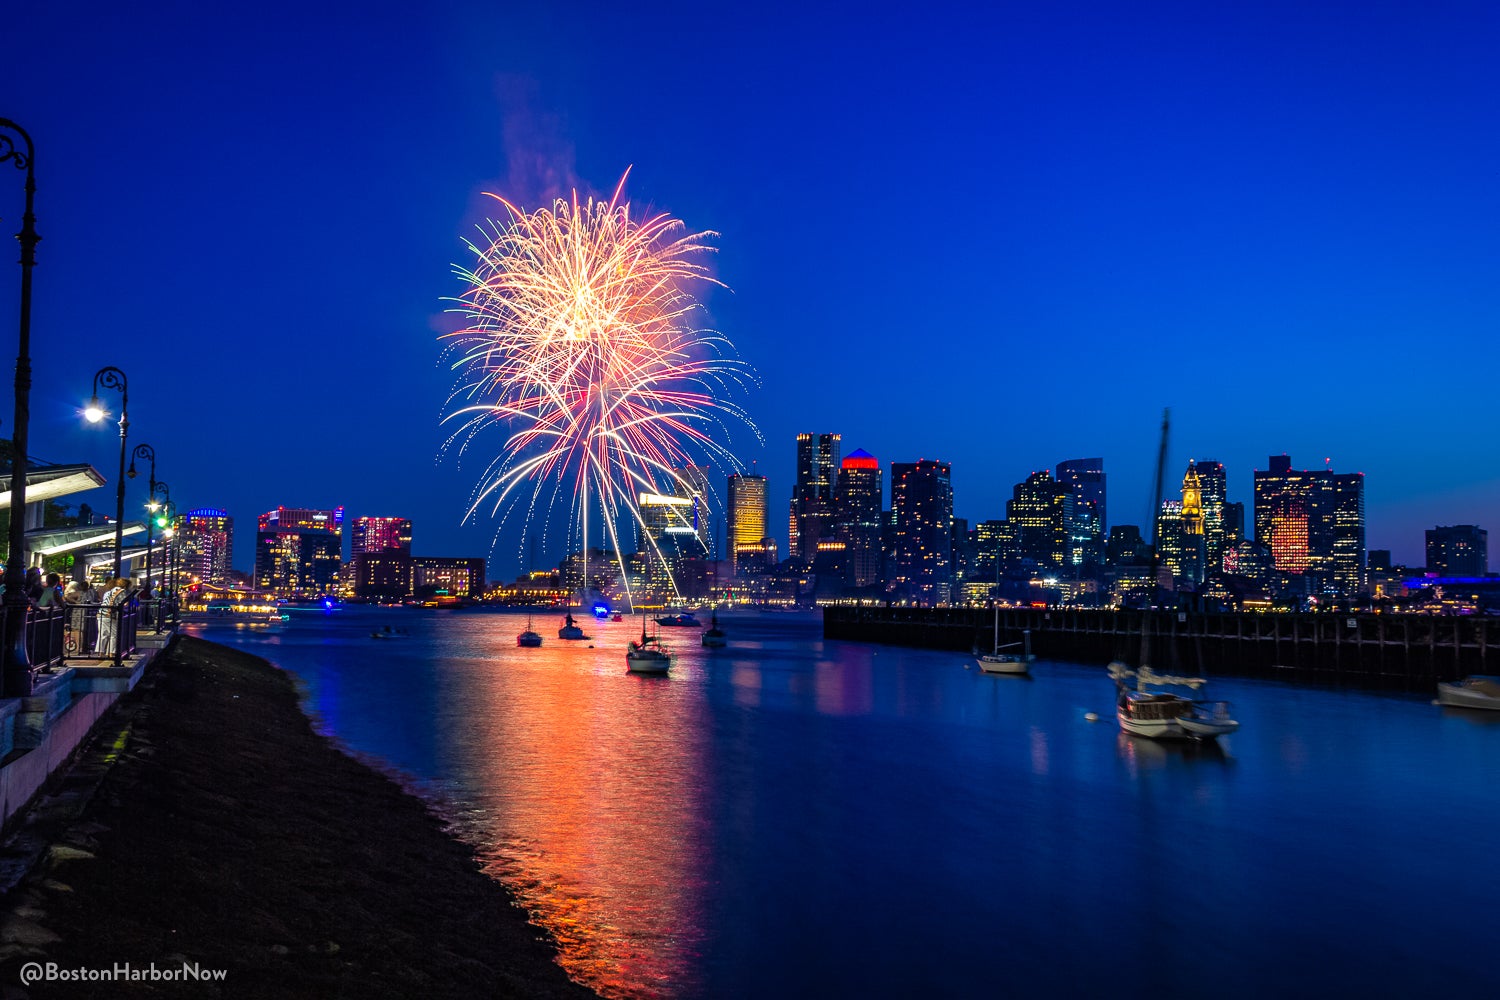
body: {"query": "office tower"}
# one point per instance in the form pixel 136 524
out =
pixel 1127 547
pixel 1457 550
pixel 206 545
pixel 922 508
pixel 380 534
pixel 1173 544
pixel 1234 525
pixel 381 554
pixel 998 546
pixel 1085 477
pixel 746 505
pixel 667 538
pixel 1041 508
pixel 1213 489
pixel 860 498
pixel 812 508
pixel 1378 559
pixel 692 482
pixel 299 552
pixel 1313 522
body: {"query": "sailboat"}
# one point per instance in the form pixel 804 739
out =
pixel 1143 711
pixel 528 637
pixel 1006 663
pixel 647 655
pixel 570 628
pixel 713 636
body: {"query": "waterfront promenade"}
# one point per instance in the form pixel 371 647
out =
pixel 208 823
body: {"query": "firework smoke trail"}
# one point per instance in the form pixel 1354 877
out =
pixel 581 346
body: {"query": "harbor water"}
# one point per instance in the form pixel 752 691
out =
pixel 793 817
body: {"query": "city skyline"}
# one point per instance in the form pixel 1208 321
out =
pixel 1288 206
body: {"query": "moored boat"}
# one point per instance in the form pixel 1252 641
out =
pixel 715 637
pixel 528 638
pixel 683 620
pixel 570 629
pixel 647 655
pixel 1478 691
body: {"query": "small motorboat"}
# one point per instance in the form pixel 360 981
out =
pixel 618 617
pixel 389 633
pixel 684 620
pixel 646 655
pixel 570 629
pixel 1477 691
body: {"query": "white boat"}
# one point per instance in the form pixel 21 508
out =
pixel 570 629
pixel 1471 692
pixel 683 620
pixel 528 638
pixel 1164 715
pixel 647 655
pixel 1006 663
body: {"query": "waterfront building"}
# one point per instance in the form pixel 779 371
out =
pixel 206 545
pixel 381 558
pixel 746 506
pixel 922 509
pixel 812 508
pixel 439 576
pixel 997 549
pixel 668 537
pixel 860 499
pixel 299 551
pixel 1086 545
pixel 1313 522
pixel 1457 550
pixel 1041 508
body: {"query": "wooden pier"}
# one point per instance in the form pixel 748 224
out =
pixel 1406 652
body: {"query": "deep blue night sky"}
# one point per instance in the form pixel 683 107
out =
pixel 1001 237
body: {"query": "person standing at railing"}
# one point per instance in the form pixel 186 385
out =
pixel 109 617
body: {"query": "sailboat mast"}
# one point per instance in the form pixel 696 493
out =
pixel 1161 468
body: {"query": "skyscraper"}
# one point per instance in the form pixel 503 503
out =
pixel 1192 545
pixel 207 545
pixel 1313 522
pixel 1041 508
pixel 299 552
pixel 860 496
pixel 746 503
pixel 1458 550
pixel 922 507
pixel 381 554
pixel 692 482
pixel 1085 477
pixel 1213 489
pixel 812 508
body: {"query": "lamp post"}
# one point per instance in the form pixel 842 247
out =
pixel 17 675
pixel 111 377
pixel 155 506
pixel 170 533
pixel 145 451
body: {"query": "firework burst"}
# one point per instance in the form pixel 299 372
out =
pixel 581 345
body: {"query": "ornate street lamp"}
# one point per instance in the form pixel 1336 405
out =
pixel 154 506
pixel 145 451
pixel 17 676
pixel 111 377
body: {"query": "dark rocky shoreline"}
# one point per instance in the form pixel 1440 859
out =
pixel 218 828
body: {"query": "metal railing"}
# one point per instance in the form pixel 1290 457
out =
pixel 93 631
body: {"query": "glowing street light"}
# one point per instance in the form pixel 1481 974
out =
pixel 112 378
